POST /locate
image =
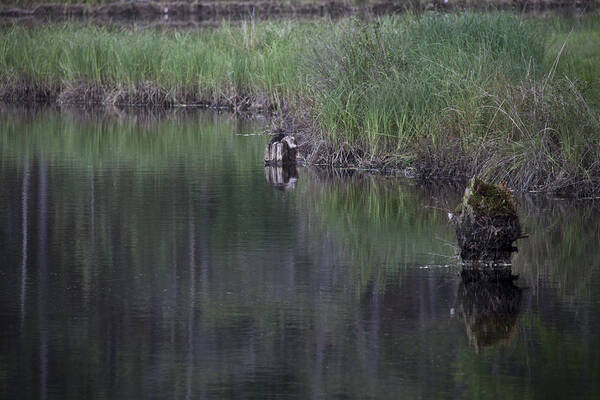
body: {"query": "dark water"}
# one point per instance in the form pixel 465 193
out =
pixel 147 256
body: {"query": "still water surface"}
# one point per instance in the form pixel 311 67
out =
pixel 151 256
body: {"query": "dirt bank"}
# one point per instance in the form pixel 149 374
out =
pixel 25 91
pixel 237 10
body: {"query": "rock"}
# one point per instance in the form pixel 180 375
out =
pixel 281 151
pixel 486 222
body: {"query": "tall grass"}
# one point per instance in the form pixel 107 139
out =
pixel 216 63
pixel 513 99
pixel 383 84
pixel 459 95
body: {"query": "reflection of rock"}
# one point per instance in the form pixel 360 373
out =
pixel 488 302
pixel 486 222
pixel 281 150
pixel 283 178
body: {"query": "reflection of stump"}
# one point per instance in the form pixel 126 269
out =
pixel 488 302
pixel 283 178
pixel 281 151
pixel 486 222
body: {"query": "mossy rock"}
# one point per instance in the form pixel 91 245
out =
pixel 486 222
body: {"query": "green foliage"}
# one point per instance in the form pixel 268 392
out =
pixel 379 220
pixel 399 80
pixel 34 3
pixel 216 62
pixel 467 94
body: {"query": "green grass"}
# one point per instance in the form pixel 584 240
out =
pixel 222 62
pixel 467 94
pixel 510 98
pixel 388 82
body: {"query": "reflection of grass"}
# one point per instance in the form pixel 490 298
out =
pixel 289 282
pixel 105 140
pixel 23 3
pixel 561 247
pixel 382 223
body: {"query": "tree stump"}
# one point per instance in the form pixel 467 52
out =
pixel 281 152
pixel 486 222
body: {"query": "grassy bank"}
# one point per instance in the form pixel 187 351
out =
pixel 464 95
pixel 226 66
pixel 512 99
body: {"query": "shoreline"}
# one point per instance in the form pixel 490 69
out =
pixel 313 150
pixel 14 91
pixel 151 115
pixel 203 11
pixel 420 96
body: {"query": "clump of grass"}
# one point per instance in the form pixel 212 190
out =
pixel 545 137
pixel 489 200
pixel 384 85
pixel 457 95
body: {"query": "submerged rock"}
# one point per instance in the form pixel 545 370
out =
pixel 486 222
pixel 281 150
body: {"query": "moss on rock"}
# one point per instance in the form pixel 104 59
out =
pixel 486 221
pixel 491 200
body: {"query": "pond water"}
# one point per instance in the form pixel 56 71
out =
pixel 151 255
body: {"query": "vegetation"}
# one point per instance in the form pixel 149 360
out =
pixel 508 98
pixel 467 94
pixel 490 200
pixel 91 64
pixel 408 3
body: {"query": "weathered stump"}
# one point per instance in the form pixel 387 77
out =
pixel 283 178
pixel 486 222
pixel 281 152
